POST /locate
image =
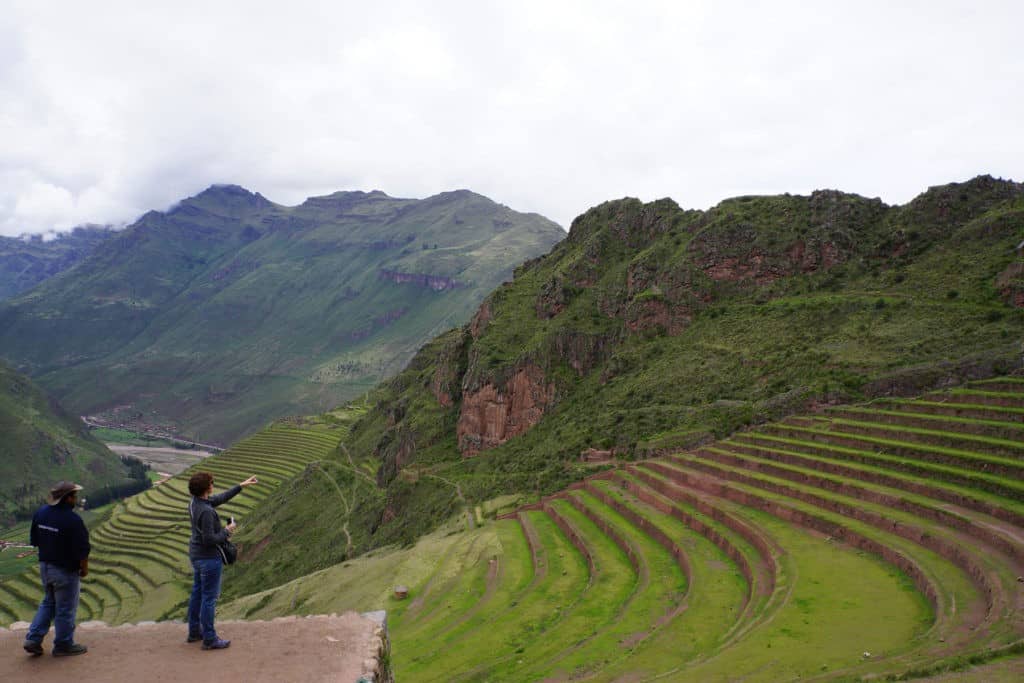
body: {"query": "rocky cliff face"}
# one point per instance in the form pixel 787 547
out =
pixel 493 414
pixel 651 327
pixel 652 269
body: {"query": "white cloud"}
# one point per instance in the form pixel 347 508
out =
pixel 109 109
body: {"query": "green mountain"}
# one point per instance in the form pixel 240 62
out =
pixel 42 444
pixel 652 328
pixel 28 260
pixel 212 318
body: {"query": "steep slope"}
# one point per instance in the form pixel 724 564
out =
pixel 28 260
pixel 229 310
pixel 653 328
pixel 41 445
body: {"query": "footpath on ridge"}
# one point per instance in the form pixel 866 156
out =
pixel 351 647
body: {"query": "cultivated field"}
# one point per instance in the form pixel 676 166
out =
pixel 139 567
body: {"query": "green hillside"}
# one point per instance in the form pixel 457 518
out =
pixel 228 310
pixel 28 260
pixel 856 543
pixel 139 566
pixel 41 445
pixel 652 328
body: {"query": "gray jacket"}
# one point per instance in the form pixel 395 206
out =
pixel 207 532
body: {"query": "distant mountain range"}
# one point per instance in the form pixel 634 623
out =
pixel 41 444
pixel 228 310
pixel 27 260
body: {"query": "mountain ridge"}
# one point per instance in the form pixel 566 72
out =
pixel 190 292
pixel 653 327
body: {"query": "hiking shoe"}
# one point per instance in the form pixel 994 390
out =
pixel 193 638
pixel 218 644
pixel 33 648
pixel 69 650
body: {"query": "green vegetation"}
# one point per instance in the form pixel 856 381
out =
pixel 228 311
pixel 139 565
pixel 28 260
pixel 41 444
pixel 652 328
pixel 731 518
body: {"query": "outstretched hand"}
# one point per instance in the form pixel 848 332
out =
pixel 251 481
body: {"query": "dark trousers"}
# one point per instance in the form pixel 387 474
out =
pixel 202 604
pixel 59 605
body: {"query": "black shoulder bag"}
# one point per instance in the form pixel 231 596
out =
pixel 228 550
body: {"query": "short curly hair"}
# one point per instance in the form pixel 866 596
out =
pixel 199 483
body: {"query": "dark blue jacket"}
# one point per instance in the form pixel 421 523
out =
pixel 60 535
pixel 207 532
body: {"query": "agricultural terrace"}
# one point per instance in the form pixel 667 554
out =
pixel 879 540
pixel 139 568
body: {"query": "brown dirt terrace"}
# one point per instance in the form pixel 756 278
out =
pixel 346 648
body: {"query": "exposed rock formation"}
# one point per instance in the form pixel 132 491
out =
pixel 491 415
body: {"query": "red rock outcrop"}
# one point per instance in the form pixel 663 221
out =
pixel 479 322
pixel 492 415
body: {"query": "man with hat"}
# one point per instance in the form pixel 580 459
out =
pixel 63 543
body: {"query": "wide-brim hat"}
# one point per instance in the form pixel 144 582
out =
pixel 60 490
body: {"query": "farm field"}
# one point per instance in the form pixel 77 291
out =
pixel 139 567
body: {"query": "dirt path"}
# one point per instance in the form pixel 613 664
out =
pixel 291 649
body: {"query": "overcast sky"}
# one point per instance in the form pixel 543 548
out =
pixel 108 109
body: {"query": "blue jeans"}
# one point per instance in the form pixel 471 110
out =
pixel 59 605
pixel 203 601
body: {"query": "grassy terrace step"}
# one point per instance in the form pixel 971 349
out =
pixel 173 549
pixel 662 587
pixel 755 555
pixel 946 583
pixel 17 596
pixel 998 507
pixel 750 550
pixel 830 599
pixel 508 579
pixel 993 574
pixel 1003 384
pixel 841 602
pixel 968 410
pixel 167 561
pixel 228 473
pixel 7 613
pixel 999 486
pixel 130 522
pixel 716 590
pixel 130 573
pixel 561 570
pixel 587 630
pixel 1002 467
pixel 935 437
pixel 453 588
pixel 896 498
pixel 974 396
pixel 1000 429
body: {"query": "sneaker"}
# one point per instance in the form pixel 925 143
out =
pixel 218 644
pixel 33 648
pixel 194 638
pixel 69 650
